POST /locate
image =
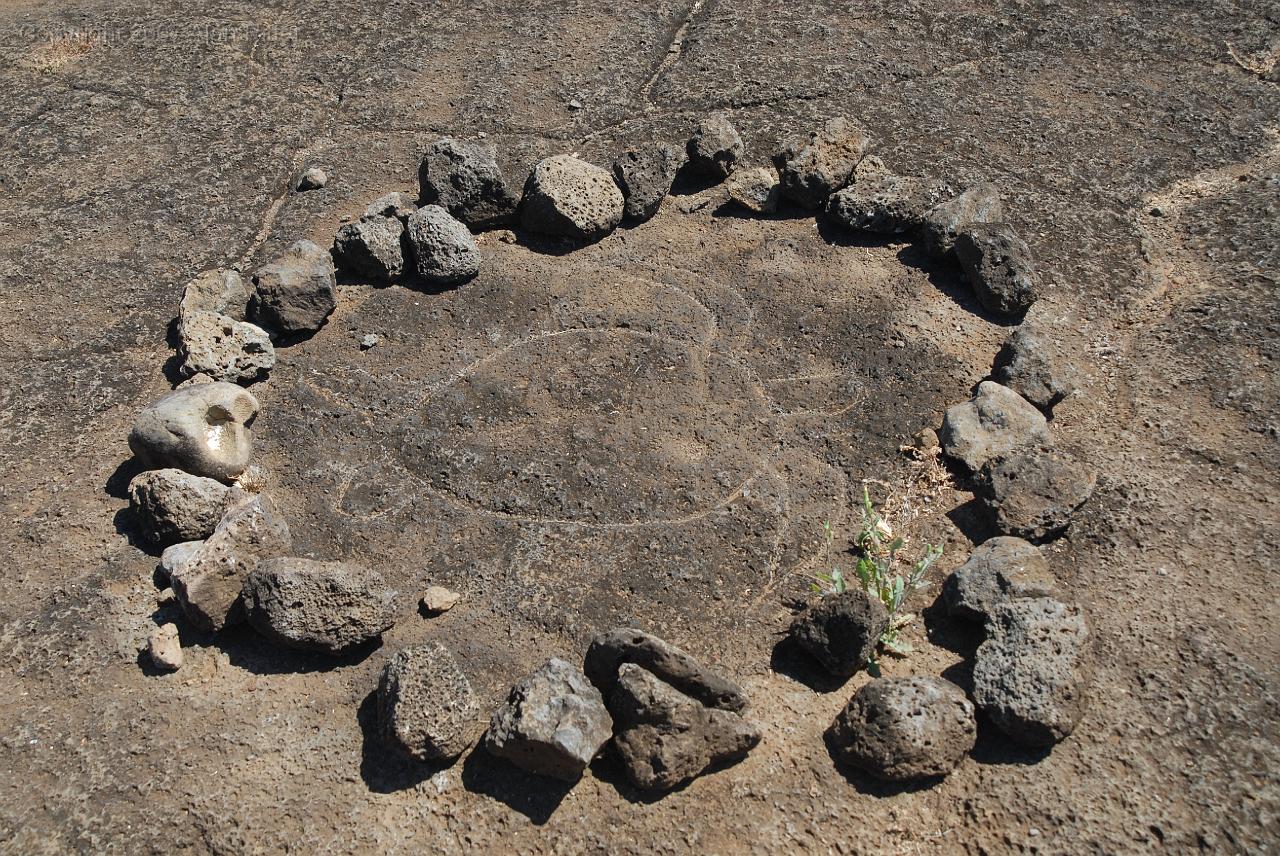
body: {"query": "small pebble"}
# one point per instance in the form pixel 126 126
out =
pixel 438 599
pixel 370 341
pixel 313 179
pixel 575 105
pixel 164 597
pixel 164 648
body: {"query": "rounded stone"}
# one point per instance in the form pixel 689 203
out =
pixel 995 421
pixel 1032 364
pixel 203 429
pixel 571 198
pixel 841 631
pixel 444 251
pixel 999 569
pixel 426 707
pixel 164 648
pixel 172 506
pixel 313 179
pixel 318 606
pixel 755 189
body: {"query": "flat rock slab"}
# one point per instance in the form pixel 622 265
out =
pixel 609 651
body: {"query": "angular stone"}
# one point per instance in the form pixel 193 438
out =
pixel 755 189
pixel 294 294
pixel 224 349
pixel 176 556
pixel 811 170
pixel 841 631
pixel 222 292
pixel 426 707
pixel 999 266
pixel 978 204
pixel 444 252
pixel 1031 366
pixel 203 429
pixel 553 723
pixel 999 569
pixel 1032 491
pixel 208 585
pixel 996 420
pixel 318 606
pixel 715 147
pixel 644 175
pixel 881 202
pixel 396 204
pixel 608 651
pixel 171 505
pixel 666 738
pixel 904 729
pixel 164 648
pixel 571 198
pixel 370 248
pixel 465 179
pixel 1031 674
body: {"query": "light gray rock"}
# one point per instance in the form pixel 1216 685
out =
pixel 294 294
pixel 224 349
pixel 996 420
pixel 313 179
pixel 879 201
pixel 841 631
pixel 426 707
pixel 978 204
pixel 811 170
pixel 714 148
pixel 176 556
pixel 444 252
pixel 644 175
pixel 553 723
pixel 1032 491
pixel 466 180
pixel 208 584
pixel 999 266
pixel 203 429
pixel 222 292
pixel 1031 674
pixel 608 651
pixel 396 204
pixel 164 648
pixel 571 198
pixel 755 189
pixel 318 606
pixel 171 505
pixel 370 248
pixel 438 599
pixel 905 729
pixel 666 738
pixel 1031 365
pixel 999 569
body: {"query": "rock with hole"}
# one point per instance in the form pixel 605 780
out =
pixel 204 429
pixel 570 198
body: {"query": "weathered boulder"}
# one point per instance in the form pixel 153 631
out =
pixel 1032 491
pixel 999 569
pixel 553 723
pixel 714 148
pixel 203 429
pixel 223 348
pixel 978 204
pixel 999 266
pixel 1031 366
pixel 444 251
pixel 1032 672
pixel 755 189
pixel 811 170
pixel 465 179
pixel 171 505
pixel 208 584
pixel 396 204
pixel 370 248
pixel 571 198
pixel 318 606
pixel 313 179
pixel 294 294
pixel 666 738
pixel 608 651
pixel 426 707
pixel 881 202
pixel 841 631
pixel 903 729
pixel 222 292
pixel 996 420
pixel 644 175
pixel 164 648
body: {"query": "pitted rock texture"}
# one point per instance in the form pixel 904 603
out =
pixel 426 707
pixel 978 204
pixel 881 202
pixel 755 189
pixel 813 169
pixel 1031 364
pixel 715 147
pixel 999 569
pixel 553 723
pixel 1032 491
pixel 904 729
pixel 209 583
pixel 444 252
pixel 995 421
pixel 571 198
pixel 841 631
pixel 465 179
pixel 203 429
pixel 666 738
pixel 171 505
pixel 318 606
pixel 224 349
pixel 371 247
pixel 999 266
pixel 609 651
pixel 1032 673
pixel 644 175
pixel 222 292
pixel 296 293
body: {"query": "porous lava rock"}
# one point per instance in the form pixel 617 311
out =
pixel 171 505
pixel 809 171
pixel 426 707
pixel 978 204
pixel 371 248
pixel 1031 364
pixel 444 252
pixel 999 569
pixel 995 421
pixel 294 294
pixel 571 198
pixel 841 631
pixel 755 189
pixel 1033 490
pixel 715 147
pixel 465 179
pixel 999 266
pixel 223 348
pixel 318 606
pixel 610 650
pixel 644 175
pixel 204 429
pixel 884 203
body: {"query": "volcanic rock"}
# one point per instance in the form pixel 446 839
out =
pixel 444 251
pixel 370 248
pixel 426 707
pixel 841 631
pixel 810 171
pixel 999 266
pixel 999 569
pixel 164 648
pixel 978 204
pixel 396 204
pixel 318 606
pixel 996 420
pixel 571 198
pixel 295 293
pixel 223 348
pixel 171 505
pixel 644 175
pixel 1030 366
pixel 203 429
pixel 313 179
pixel 881 202
pixel 715 147
pixel 465 179
pixel 176 556
pixel 438 599
pixel 1033 490
pixel 608 651
pixel 221 292
pixel 755 189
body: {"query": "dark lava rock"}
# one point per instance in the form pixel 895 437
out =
pixel 645 177
pixel 571 198
pixel 1030 366
pixel 465 179
pixel 396 204
pixel 999 266
pixel 1031 674
pixel 978 204
pixel 715 147
pixel 318 606
pixel 1033 490
pixel 444 250
pixel 666 738
pixel 608 651
pixel 841 630
pixel 203 429
pixel 999 569
pixel 370 248
pixel 881 202
pixel 809 171
pixel 995 421
pixel 902 729
pixel 426 707
pixel 296 293
pixel 553 723
pixel 171 506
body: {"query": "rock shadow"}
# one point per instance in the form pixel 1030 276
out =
pixel 384 769
pixel 995 748
pixel 835 233
pixel 260 656
pixel 973 520
pixel 536 797
pixel 608 768
pixel 945 631
pixel 947 276
pixel 790 660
